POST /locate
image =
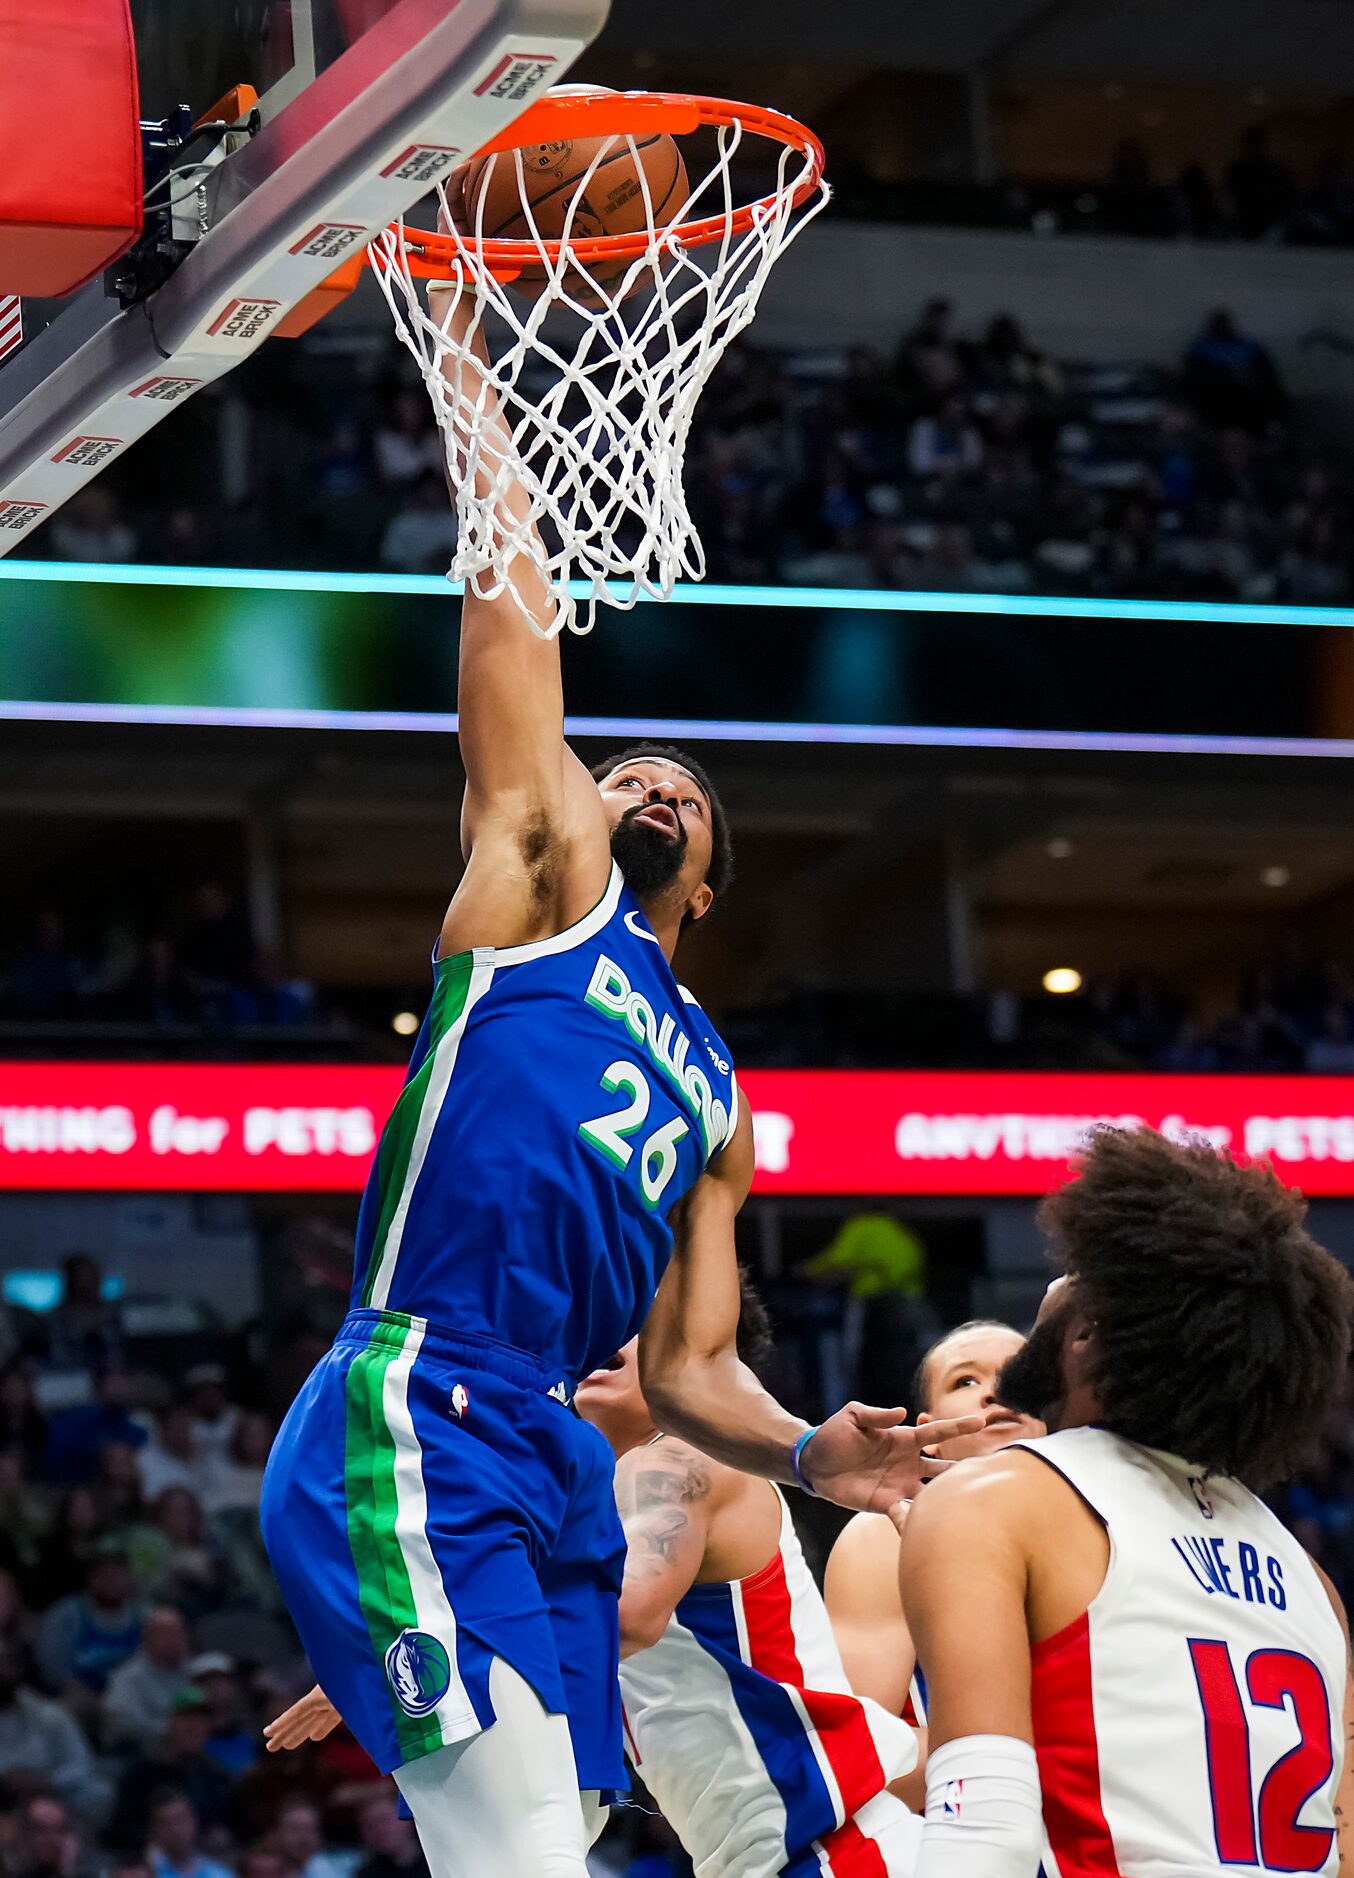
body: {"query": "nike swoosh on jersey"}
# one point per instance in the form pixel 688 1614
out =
pixel 639 931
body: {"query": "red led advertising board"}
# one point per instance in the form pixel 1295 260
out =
pixel 312 1128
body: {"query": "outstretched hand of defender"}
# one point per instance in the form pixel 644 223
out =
pixel 870 1458
pixel 310 1719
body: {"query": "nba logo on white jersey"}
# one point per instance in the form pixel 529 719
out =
pixel 953 1803
pixel 1201 1499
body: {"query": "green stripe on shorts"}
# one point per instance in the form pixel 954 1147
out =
pixel 383 1586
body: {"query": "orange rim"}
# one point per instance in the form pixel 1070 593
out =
pixel 621 114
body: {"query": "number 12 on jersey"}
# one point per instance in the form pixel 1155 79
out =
pixel 1242 1820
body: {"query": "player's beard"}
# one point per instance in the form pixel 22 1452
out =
pixel 650 861
pixel 1032 1382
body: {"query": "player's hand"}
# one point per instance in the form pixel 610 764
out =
pixel 869 1458
pixel 310 1719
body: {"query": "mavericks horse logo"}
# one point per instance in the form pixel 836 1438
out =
pixel 419 1670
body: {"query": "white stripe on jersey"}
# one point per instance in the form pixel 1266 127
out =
pixel 693 1690
pixel 439 1081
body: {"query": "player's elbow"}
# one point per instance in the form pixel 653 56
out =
pixel 676 1382
pixel 660 1377
pixel 642 1624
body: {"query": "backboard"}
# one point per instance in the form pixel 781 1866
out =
pixel 363 105
pixel 193 51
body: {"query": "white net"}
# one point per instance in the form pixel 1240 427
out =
pixel 587 405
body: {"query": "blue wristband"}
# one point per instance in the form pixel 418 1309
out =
pixel 796 1460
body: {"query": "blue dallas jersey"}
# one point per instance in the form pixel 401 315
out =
pixel 561 1098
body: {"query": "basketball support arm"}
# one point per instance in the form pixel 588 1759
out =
pixel 423 89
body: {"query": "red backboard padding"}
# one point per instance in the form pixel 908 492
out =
pixel 70 149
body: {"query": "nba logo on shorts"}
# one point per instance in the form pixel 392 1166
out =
pixel 460 1401
pixel 953 1804
pixel 419 1670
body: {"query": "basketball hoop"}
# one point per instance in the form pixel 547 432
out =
pixel 599 413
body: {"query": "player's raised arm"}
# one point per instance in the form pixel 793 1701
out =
pixel 663 1497
pixel 532 829
pixel 697 1387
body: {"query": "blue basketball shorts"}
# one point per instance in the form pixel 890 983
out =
pixel 431 1502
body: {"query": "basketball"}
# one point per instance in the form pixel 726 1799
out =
pixel 612 200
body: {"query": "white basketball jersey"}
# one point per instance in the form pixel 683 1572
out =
pixel 743 1726
pixel 1190 1721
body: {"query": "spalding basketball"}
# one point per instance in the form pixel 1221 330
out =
pixel 610 202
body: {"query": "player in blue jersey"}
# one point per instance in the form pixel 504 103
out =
pixel 565 1161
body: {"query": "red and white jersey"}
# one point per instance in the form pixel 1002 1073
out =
pixel 743 1726
pixel 1190 1720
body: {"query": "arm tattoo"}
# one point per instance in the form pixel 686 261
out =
pixel 657 1500
pixel 656 1486
pixel 662 1533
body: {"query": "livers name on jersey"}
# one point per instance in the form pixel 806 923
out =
pixel 1248 1576
pixel 666 1047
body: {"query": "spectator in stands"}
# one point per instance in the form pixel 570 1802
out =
pixel 69 1544
pixel 930 362
pixel 117 1487
pixel 1195 209
pixel 173 1456
pixel 237 1483
pixel 1189 1052
pixel 389 1842
pixel 45 977
pixel 42 1745
pixel 83 1638
pixel 23 1426
pixel 1314 567
pixel 1230 378
pixel 408 444
pixel 215 1416
pixel 271 1784
pixel 216 954
pixel 188 1569
pixel 1006 361
pixel 1135 202
pixel 85 1330
pixel 1261 189
pixel 174 1849
pixel 184 538
pixel 421 538
pixel 90 528
pixel 16 1620
pixel 232 1744
pixel 1332 1053
pixel 1325 214
pixel 298 1839
pixel 156 990
pixel 46 1843
pixel 142 1692
pixel 946 445
pixel 341 466
pixel 23 1530
pixel 260 1861
pixel 175 1761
